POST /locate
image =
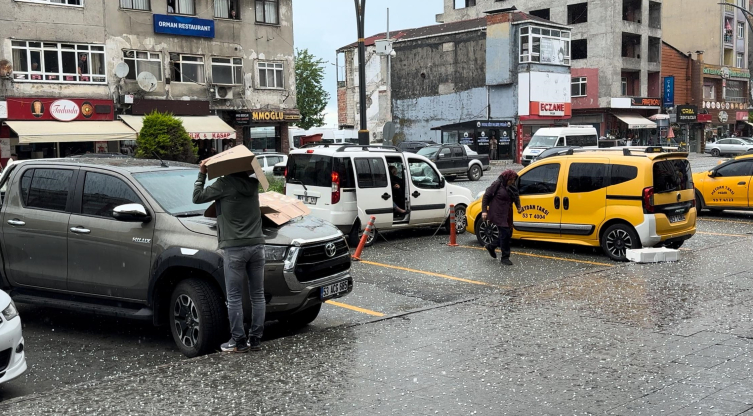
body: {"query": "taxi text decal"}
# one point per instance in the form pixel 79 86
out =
pixel 539 212
pixel 722 194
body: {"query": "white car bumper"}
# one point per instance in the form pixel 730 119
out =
pixel 647 231
pixel 12 363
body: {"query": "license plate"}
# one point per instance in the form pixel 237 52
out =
pixel 309 200
pixel 676 218
pixel 334 289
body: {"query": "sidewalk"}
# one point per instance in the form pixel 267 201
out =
pixel 634 339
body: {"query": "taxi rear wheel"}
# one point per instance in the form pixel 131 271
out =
pixel 486 232
pixel 617 239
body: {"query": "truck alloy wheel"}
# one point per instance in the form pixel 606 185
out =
pixel 461 220
pixel 198 317
pixel 474 173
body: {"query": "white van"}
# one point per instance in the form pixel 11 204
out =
pixel 576 136
pixel 348 184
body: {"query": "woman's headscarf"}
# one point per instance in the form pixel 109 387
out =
pixel 508 175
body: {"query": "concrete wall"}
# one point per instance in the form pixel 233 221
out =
pixel 377 104
pixel 705 17
pixel 591 99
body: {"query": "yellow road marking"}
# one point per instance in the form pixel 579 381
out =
pixel 729 221
pixel 722 234
pixel 354 308
pixel 444 276
pixel 517 253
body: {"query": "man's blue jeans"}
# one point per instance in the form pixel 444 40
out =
pixel 240 263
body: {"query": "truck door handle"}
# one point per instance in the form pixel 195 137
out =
pixel 742 183
pixel 386 196
pixel 80 230
pixel 566 203
pixel 16 222
pixel 416 194
pixel 556 202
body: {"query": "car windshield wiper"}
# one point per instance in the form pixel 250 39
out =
pixel 298 182
pixel 188 214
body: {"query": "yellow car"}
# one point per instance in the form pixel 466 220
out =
pixel 617 199
pixel 727 186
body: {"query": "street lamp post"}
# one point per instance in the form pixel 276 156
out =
pixel 363 133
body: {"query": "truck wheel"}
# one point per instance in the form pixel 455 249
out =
pixel 461 221
pixel 617 239
pixel 474 173
pixel 302 318
pixel 486 232
pixel 198 317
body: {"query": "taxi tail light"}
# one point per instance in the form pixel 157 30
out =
pixel 335 187
pixel 648 200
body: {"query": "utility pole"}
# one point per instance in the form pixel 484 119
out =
pixel 363 133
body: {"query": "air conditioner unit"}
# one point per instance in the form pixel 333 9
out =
pixel 223 92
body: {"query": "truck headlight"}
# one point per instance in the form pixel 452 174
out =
pixel 274 253
pixel 291 259
pixel 10 312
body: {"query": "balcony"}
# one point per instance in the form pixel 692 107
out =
pixel 729 10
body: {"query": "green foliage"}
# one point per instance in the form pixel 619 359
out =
pixel 311 97
pixel 276 184
pixel 164 135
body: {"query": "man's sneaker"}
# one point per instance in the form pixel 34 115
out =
pixel 506 262
pixel 491 250
pixel 254 344
pixel 232 346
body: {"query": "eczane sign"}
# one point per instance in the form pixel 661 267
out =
pixel 552 109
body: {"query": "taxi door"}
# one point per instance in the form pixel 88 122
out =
pixel 584 194
pixel 541 199
pixel 373 191
pixel 729 185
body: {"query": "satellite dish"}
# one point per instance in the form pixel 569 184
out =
pixel 147 81
pixel 121 70
pixel 6 68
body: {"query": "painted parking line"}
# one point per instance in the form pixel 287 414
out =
pixel 722 234
pixel 444 276
pixel 354 308
pixel 540 256
pixel 727 221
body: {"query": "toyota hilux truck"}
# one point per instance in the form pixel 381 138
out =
pixel 121 237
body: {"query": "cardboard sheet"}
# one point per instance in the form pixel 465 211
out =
pixel 237 159
pixel 278 208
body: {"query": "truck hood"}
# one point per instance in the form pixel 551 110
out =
pixel 299 230
pixel 460 191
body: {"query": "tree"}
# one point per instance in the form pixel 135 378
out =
pixel 164 135
pixel 311 97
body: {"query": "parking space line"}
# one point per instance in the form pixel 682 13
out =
pixel 354 308
pixel 728 221
pixel 444 276
pixel 548 257
pixel 722 234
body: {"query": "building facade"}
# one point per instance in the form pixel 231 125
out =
pixel 224 66
pixel 616 58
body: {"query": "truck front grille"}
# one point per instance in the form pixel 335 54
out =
pixel 314 263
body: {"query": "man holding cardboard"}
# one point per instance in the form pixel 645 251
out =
pixel 239 233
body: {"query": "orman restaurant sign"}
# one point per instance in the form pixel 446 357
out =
pixel 725 72
pixel 183 26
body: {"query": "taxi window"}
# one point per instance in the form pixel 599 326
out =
pixel 540 180
pixel 586 177
pixel 734 169
pixel 622 174
pixel 672 175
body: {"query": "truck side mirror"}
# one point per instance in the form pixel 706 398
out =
pixel 441 182
pixel 131 213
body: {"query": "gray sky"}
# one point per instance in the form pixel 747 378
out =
pixel 324 26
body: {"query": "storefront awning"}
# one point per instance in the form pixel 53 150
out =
pixel 747 122
pixel 199 128
pixel 636 122
pixel 72 131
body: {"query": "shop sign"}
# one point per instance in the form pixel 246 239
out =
pixel 211 136
pixel 183 26
pixel 65 110
pixel 645 102
pixel 725 72
pixel 242 119
pixel 292 117
pixel 741 116
pixel 59 109
pixel 723 116
pixel 687 113
pixel 552 109
pixel 3 109
pixel 704 118
pixel 669 91
pixel 267 116
pixel 493 124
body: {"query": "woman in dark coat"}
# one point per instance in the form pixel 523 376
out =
pixel 497 208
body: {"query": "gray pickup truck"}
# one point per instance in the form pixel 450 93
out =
pixel 454 160
pixel 121 237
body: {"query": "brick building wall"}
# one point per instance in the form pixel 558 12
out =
pixel 678 64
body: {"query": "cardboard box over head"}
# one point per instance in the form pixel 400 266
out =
pixel 278 208
pixel 237 159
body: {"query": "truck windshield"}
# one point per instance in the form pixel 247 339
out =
pixel 428 152
pixel 543 141
pixel 173 190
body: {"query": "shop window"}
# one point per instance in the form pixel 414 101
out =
pixel 577 13
pixel 57 2
pixel 227 9
pixel 544 45
pixel 542 13
pixel 135 5
pixel 102 193
pixel 580 49
pixel 187 68
pixel 143 61
pixel 181 7
pixel 271 75
pixel 267 12
pixel 227 71
pixel 58 62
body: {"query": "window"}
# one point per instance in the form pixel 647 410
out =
pixel 102 193
pixel 740 30
pixel 734 169
pixel 542 13
pixel 344 166
pixel 227 71
pixel 58 62
pixel 227 9
pixel 135 4
pixel 423 175
pixel 740 60
pixel 586 177
pixel 580 49
pixel 47 188
pixel 142 61
pixel 266 12
pixel 311 170
pixel 577 13
pixel 271 75
pixel 578 88
pixel 709 92
pixel 462 4
pixel 457 152
pixel 735 91
pixel 181 6
pixel 371 173
pixel 550 46
pixel 672 175
pixel 624 84
pixel 273 160
pixel 187 68
pixel 622 174
pixel 58 2
pixel 582 141
pixel 445 153
pixel 540 180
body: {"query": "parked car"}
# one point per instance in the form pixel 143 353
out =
pixel 12 355
pixel 726 186
pixel 453 160
pixel 122 237
pixel 347 185
pixel 268 161
pixel 615 199
pixel 730 146
pixel 554 151
pixel 574 136
pixel 413 146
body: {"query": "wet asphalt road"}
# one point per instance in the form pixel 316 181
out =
pixel 651 326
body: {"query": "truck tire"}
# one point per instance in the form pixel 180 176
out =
pixel 617 239
pixel 474 173
pixel 302 318
pixel 198 317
